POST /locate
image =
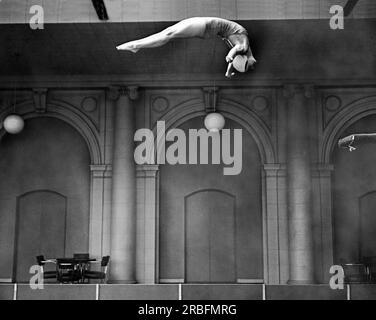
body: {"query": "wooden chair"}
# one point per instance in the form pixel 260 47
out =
pixel 99 275
pixel 355 273
pixel 370 263
pixel 46 274
pixel 83 265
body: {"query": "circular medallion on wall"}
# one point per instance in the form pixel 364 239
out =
pixel 332 103
pixel 89 104
pixel 260 103
pixel 160 104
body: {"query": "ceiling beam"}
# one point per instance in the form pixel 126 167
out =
pixel 349 7
pixel 100 8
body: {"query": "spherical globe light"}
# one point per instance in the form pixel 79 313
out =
pixel 13 124
pixel 214 122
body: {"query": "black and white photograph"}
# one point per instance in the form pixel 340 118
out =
pixel 187 155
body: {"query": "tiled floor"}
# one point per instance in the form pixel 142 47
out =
pixel 185 292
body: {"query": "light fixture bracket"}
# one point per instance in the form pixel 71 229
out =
pixel 210 98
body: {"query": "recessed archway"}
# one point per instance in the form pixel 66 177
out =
pixel 48 158
pixel 353 191
pixel 67 113
pixel 197 201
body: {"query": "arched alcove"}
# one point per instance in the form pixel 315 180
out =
pixel 210 236
pixel 64 111
pixel 354 183
pixel 240 215
pixel 230 110
pixel 40 229
pixel 48 155
pixel 341 121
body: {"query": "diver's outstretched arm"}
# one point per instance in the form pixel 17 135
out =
pixel 230 70
pixel 354 139
pixel 233 52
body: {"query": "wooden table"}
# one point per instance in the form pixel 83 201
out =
pixel 81 264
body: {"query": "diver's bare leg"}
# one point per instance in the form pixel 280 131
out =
pixel 156 40
pixel 187 28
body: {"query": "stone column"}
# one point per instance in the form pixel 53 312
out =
pixel 275 225
pixel 322 207
pixel 147 223
pixel 98 212
pixel 123 213
pixel 299 186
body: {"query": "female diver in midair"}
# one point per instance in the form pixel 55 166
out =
pixel 239 57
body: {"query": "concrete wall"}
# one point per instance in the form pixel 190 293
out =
pixel 285 50
pixel 17 11
pixel 261 109
pixel 334 109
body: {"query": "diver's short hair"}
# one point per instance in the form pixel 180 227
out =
pixel 240 63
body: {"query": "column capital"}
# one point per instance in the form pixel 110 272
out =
pixel 114 92
pixel 147 170
pixel 322 170
pixel 101 170
pixel 291 89
pixel 132 92
pixel 324 167
pixel 274 169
